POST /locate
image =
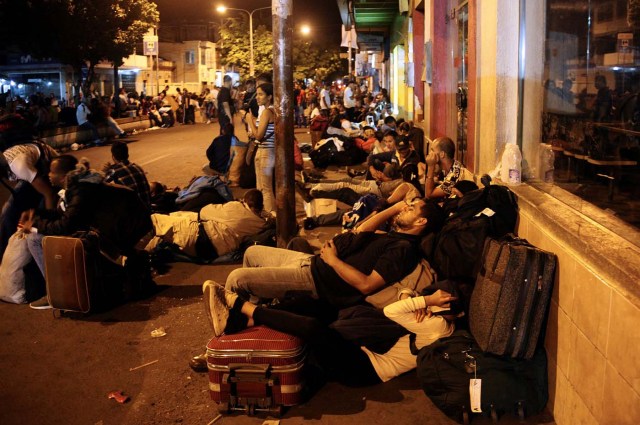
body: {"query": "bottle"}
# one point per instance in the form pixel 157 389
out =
pixel 547 159
pixel 511 172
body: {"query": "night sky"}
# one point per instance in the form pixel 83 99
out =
pixel 322 15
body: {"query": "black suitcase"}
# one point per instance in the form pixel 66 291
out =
pixel 509 303
pixel 508 385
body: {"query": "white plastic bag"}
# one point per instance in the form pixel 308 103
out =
pixel 511 172
pixel 16 256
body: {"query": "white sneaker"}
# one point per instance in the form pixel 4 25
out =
pixel 216 306
pixel 208 122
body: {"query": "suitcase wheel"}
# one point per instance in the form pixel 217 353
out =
pixel 521 411
pixel 224 408
pixel 250 410
pixel 277 411
pixel 494 415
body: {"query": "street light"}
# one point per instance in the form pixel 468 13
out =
pixel 305 30
pixel 222 9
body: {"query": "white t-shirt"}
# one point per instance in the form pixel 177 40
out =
pixel 399 359
pixel 325 99
pixel 347 98
pixel 82 113
pixel 22 160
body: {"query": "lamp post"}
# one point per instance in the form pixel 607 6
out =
pixel 223 9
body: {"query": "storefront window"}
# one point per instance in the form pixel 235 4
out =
pixel 590 118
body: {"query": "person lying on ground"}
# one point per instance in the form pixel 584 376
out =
pixel 399 166
pixel 349 267
pixel 215 231
pixel 339 359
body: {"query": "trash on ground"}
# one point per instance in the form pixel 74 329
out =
pixel 118 396
pixel 157 333
pixel 215 419
pixel 131 369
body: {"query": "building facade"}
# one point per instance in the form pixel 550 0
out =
pixel 559 79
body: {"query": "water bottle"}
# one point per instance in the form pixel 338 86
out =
pixel 511 172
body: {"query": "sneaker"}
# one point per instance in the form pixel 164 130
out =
pixel 199 363
pixel 216 305
pixel 123 135
pixel 41 304
pixel 309 223
pixel 208 122
pixel 302 190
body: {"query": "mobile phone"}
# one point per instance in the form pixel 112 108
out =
pixel 370 121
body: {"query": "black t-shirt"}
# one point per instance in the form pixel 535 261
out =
pixel 391 255
pixel 224 95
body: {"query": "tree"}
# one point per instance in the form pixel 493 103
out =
pixel 79 32
pixel 309 60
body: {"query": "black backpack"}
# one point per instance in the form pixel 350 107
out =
pixel 488 212
pixel 323 156
pixel 508 385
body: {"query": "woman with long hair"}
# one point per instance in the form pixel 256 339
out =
pixel 264 131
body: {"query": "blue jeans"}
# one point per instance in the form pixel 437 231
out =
pixel 34 244
pixel 272 273
pixel 265 163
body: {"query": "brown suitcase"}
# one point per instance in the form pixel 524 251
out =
pixel 70 272
pixel 79 276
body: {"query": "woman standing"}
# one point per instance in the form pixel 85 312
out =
pixel 264 131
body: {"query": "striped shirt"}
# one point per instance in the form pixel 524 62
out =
pixel 269 139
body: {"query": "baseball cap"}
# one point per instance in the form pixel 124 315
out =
pixel 402 144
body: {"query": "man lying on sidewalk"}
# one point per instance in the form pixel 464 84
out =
pixel 215 231
pixel 349 267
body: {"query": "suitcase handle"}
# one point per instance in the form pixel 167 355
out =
pixel 249 368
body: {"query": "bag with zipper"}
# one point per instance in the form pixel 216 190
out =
pixel 488 212
pixel 447 367
pixel 509 303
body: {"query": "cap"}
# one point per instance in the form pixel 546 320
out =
pixel 402 144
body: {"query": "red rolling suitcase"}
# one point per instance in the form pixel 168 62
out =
pixel 258 369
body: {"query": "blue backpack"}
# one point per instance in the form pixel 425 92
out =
pixel 361 210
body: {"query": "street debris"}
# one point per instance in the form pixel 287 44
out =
pixel 131 369
pixel 118 396
pixel 215 419
pixel 157 333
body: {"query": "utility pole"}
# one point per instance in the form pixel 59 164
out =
pixel 281 11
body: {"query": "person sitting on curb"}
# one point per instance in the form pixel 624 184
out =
pixel 442 155
pixel 88 203
pixel 127 173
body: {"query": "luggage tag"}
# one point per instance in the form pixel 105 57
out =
pixel 487 211
pixel 475 387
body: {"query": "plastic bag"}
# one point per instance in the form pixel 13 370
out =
pixel 16 256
